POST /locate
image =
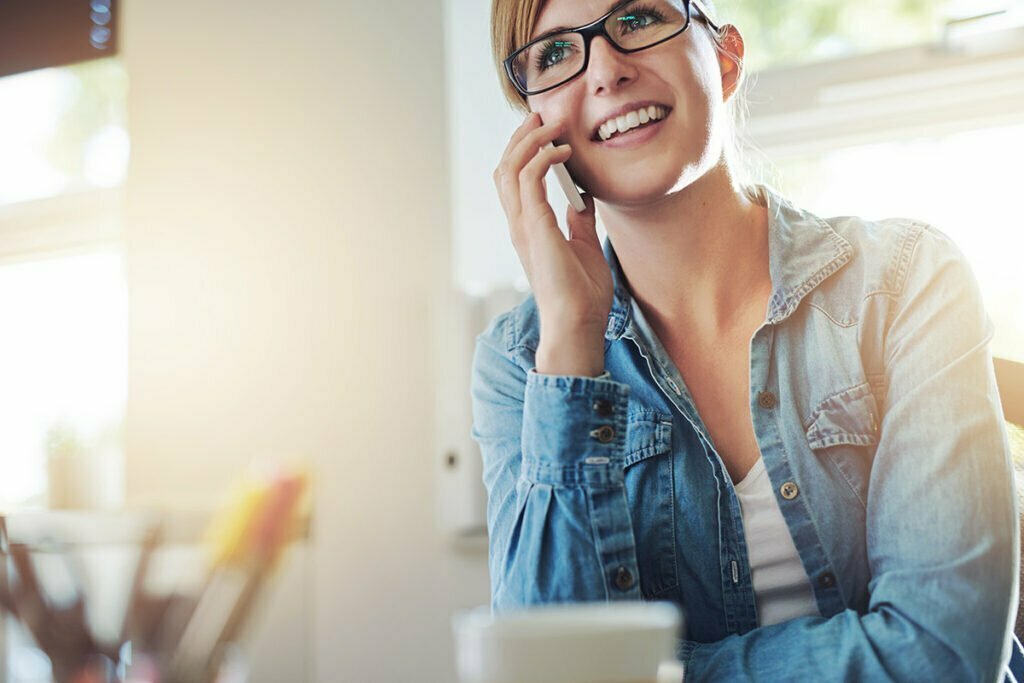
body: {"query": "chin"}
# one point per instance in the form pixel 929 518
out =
pixel 638 179
pixel 632 188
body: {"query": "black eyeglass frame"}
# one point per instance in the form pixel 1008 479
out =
pixel 596 28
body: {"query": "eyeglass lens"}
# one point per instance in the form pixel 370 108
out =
pixel 559 57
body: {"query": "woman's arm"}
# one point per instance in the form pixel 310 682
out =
pixel 558 520
pixel 943 531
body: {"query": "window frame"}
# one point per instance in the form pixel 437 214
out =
pixel 76 221
pixel 961 82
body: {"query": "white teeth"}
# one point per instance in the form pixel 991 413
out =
pixel 621 124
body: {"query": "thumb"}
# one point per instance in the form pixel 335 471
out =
pixel 583 224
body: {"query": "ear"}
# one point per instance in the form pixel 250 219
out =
pixel 730 56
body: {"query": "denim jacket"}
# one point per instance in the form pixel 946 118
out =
pixel 874 403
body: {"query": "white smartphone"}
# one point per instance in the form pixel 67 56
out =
pixel 572 193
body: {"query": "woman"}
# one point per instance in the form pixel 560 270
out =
pixel 787 425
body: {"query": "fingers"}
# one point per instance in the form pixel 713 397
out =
pixel 536 217
pixel 511 172
pixel 583 224
pixel 525 150
pixel 532 188
pixel 531 122
pixel 504 172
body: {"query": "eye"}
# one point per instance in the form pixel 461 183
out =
pixel 639 18
pixel 553 53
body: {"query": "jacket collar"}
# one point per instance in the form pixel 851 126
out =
pixel 803 250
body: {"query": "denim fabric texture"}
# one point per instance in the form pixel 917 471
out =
pixel 874 402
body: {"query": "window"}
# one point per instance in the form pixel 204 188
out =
pixel 62 130
pixel 63 311
pixel 781 34
pixel 63 359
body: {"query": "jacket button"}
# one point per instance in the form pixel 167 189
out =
pixel 766 399
pixel 623 578
pixel 827 580
pixel 602 407
pixel 789 490
pixel 604 433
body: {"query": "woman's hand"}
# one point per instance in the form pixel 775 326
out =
pixel 570 279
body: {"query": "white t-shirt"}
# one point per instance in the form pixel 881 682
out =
pixel 781 588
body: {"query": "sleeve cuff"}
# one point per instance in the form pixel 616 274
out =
pixel 603 375
pixel 574 428
pixel 684 654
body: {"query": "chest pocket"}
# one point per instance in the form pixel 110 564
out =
pixel 650 490
pixel 843 432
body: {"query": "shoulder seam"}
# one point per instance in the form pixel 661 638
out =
pixel 905 255
pixel 500 326
pixel 503 338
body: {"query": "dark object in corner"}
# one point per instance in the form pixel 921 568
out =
pixel 45 33
pixel 1010 378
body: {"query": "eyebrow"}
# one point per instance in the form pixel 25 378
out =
pixel 559 29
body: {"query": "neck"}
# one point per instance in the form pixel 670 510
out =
pixel 696 260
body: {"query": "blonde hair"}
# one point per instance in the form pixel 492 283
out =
pixel 512 22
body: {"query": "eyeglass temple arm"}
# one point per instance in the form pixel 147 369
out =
pixel 704 13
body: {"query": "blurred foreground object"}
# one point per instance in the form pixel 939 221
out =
pixel 176 614
pixel 583 642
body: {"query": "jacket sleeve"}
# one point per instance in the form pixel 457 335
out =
pixel 553 449
pixel 943 533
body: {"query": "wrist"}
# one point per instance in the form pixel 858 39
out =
pixel 575 356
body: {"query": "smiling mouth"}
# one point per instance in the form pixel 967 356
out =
pixel 628 123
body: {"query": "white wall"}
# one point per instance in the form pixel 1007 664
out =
pixel 481 122
pixel 287 239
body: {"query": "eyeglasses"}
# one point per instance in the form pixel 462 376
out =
pixel 561 55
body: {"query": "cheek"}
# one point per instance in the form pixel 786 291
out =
pixel 545 105
pixel 707 77
pixel 555 110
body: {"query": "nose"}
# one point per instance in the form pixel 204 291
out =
pixel 608 68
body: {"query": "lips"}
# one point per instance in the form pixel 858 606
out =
pixel 623 110
pixel 634 137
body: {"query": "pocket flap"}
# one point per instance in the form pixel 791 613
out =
pixel 846 417
pixel 648 433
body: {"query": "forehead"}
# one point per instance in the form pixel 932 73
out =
pixel 558 15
